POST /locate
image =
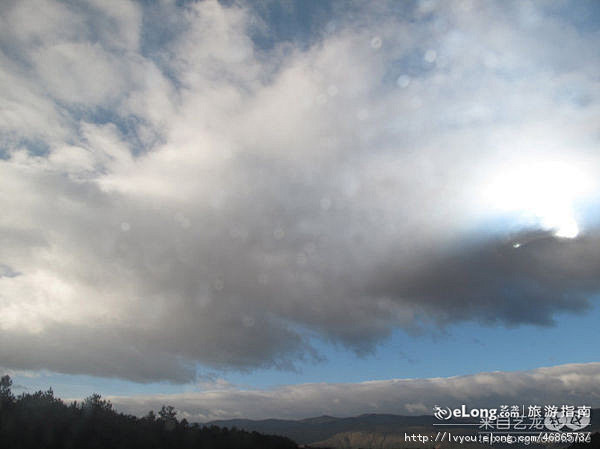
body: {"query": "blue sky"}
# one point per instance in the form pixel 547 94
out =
pixel 218 201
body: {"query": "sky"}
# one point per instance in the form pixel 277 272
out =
pixel 295 208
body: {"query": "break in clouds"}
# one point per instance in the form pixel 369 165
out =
pixel 186 184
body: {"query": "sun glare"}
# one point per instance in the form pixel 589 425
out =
pixel 544 194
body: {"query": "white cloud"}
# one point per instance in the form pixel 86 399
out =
pixel 121 24
pixel 575 384
pixel 197 198
pixel 80 73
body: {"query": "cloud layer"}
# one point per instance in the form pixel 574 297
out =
pixel 576 384
pixel 177 190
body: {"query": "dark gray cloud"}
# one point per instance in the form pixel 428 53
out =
pixel 525 279
pixel 204 199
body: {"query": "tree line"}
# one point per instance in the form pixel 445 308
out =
pixel 41 420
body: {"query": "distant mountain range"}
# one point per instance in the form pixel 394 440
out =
pixel 370 431
pixel 314 430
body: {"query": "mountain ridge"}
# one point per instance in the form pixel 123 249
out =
pixel 369 430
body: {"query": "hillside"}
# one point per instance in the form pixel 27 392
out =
pixel 369 431
pixel 312 430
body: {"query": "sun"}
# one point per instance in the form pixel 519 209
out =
pixel 567 229
pixel 544 194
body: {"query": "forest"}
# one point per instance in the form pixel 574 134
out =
pixel 42 421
